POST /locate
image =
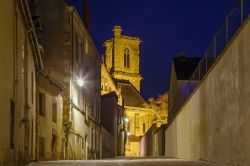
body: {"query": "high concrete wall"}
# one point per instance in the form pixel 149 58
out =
pixel 153 142
pixel 214 123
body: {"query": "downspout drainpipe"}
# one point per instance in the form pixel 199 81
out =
pixel 26 91
pixel 68 126
pixel 15 87
pixel 38 58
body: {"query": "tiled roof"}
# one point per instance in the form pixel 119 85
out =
pixel 131 96
pixel 111 94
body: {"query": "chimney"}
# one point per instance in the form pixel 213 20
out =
pixel 181 56
pixel 117 31
pixel 86 14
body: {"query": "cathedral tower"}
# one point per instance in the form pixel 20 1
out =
pixel 122 57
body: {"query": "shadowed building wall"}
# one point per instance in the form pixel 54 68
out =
pixel 69 56
pixel 20 62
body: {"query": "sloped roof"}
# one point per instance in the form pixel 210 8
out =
pixel 111 94
pixel 131 96
pixel 185 66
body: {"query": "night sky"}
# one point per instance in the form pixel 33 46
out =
pixel 166 27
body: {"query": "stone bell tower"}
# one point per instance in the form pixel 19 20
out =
pixel 123 58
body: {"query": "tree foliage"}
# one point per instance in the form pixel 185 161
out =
pixel 160 105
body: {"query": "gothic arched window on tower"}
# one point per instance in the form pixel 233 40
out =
pixel 126 58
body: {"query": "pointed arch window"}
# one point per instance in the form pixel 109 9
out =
pixel 126 58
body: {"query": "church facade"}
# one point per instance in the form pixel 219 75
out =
pixel 122 62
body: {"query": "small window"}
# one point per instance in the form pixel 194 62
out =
pixel 144 128
pixel 41 104
pixel 137 121
pixel 12 123
pixel 66 36
pixel 54 112
pixel 78 50
pixel 97 141
pixel 67 18
pixel 92 138
pixel 82 143
pixel 32 87
pixel 126 58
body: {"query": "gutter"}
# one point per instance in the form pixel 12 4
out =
pixel 25 11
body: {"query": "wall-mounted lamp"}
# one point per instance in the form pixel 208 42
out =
pixel 126 119
pixel 80 82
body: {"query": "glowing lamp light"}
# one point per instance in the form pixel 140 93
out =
pixel 126 120
pixel 128 133
pixel 80 82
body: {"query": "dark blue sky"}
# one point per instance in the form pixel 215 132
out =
pixel 166 27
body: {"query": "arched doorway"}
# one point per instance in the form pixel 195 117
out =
pixel 54 141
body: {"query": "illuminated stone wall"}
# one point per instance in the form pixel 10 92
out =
pixel 107 83
pixel 140 117
pixel 140 120
pixel 115 51
pixel 69 56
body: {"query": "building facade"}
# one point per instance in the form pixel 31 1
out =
pixel 51 89
pixel 153 142
pixel 20 63
pixel 122 61
pixel 123 57
pixel 50 128
pixel 71 59
pixel 112 120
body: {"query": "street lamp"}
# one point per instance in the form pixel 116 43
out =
pixel 126 119
pixel 80 82
pixel 128 133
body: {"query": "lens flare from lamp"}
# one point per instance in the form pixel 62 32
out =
pixel 80 82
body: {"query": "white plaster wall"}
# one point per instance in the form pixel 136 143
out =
pixel 214 123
